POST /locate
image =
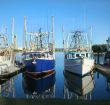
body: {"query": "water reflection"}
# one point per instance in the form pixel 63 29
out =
pixel 108 84
pixel 39 88
pixel 76 87
pixel 7 88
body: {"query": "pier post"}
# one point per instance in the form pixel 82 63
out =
pixel 98 62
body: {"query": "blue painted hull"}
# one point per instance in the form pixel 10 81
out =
pixel 41 65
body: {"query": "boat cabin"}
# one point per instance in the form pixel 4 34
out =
pixel 37 55
pixel 73 55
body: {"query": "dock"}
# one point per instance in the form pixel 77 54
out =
pixel 105 70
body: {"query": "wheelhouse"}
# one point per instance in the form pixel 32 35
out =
pixel 73 55
pixel 37 55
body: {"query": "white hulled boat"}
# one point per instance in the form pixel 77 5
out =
pixel 78 53
pixel 5 55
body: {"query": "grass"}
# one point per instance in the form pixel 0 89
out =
pixel 10 101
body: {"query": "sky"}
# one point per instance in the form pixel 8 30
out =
pixel 72 14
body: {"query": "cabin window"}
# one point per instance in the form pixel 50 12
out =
pixel 39 55
pixel 35 55
pixel 30 56
pixel 82 55
pixel 70 55
pixel 43 55
pixel 50 52
pixel 77 55
pixel 73 55
pixel 86 54
pixel 27 57
pixel 65 56
pixel 47 55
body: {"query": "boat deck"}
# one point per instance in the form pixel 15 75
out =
pixel 13 70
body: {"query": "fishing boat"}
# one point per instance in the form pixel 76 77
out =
pixel 39 55
pixel 78 53
pixel 5 55
pixel 78 87
pixel 107 55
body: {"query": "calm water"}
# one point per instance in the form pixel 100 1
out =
pixel 59 85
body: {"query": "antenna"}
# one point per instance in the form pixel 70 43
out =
pixel 25 28
pixel 86 36
pixel 108 42
pixel 63 37
pixel 53 36
pixel 91 38
pixel 12 30
pixel 24 34
pixel 48 31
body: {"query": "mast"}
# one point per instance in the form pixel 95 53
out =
pixel 108 46
pixel 63 38
pixel 87 45
pixel 12 33
pixel 91 39
pixel 13 42
pixel 40 36
pixel 53 37
pixel 24 34
pixel 48 32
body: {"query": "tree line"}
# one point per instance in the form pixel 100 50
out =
pixel 99 48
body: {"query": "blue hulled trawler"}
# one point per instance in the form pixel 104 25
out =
pixel 39 52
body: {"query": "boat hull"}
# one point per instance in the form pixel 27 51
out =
pixel 79 66
pixel 39 65
pixel 36 75
pixel 4 66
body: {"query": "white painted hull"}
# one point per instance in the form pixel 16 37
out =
pixel 79 66
pixel 4 66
